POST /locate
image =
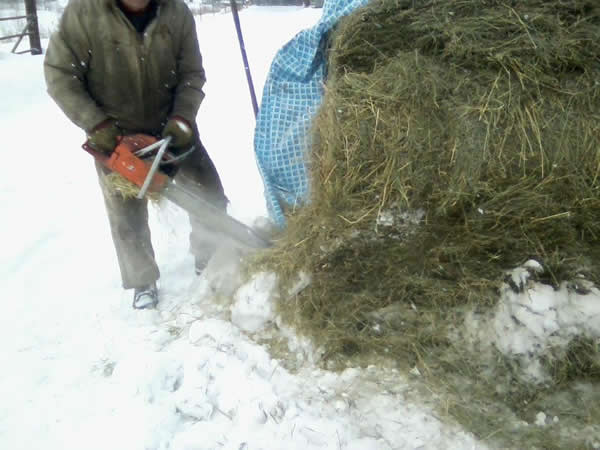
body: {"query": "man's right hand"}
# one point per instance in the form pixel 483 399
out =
pixel 103 136
pixel 180 131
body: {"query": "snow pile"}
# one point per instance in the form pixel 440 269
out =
pixel 214 387
pixel 168 381
pixel 252 309
pixel 532 318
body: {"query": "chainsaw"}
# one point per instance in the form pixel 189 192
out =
pixel 139 157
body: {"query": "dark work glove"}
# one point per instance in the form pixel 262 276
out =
pixel 180 131
pixel 103 136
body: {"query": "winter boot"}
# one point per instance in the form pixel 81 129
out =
pixel 145 297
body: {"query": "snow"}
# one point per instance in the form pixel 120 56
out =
pixel 80 369
pixel 532 317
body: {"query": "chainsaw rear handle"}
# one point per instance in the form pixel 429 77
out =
pixel 97 154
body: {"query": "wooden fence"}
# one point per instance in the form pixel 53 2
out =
pixel 31 29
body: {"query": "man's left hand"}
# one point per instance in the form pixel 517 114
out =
pixel 180 131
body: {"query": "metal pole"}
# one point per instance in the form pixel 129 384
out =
pixel 12 36
pixel 23 33
pixel 236 20
pixel 12 18
pixel 34 36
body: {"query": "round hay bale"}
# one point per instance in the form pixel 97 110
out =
pixel 482 119
pixel 456 140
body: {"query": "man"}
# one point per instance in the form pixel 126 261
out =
pixel 118 67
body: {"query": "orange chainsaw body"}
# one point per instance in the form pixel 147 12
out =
pixel 123 161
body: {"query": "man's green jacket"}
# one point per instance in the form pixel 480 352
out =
pixel 98 66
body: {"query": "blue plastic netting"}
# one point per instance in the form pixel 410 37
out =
pixel 291 96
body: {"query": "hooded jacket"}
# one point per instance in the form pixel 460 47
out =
pixel 97 66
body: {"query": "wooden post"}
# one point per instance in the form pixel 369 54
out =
pixel 34 30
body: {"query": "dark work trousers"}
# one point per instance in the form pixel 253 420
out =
pixel 128 219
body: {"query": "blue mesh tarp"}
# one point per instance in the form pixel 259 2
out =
pixel 291 96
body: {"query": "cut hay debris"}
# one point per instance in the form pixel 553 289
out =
pixel 482 119
pixel 117 184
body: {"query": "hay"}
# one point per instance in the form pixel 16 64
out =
pixel 117 184
pixel 456 140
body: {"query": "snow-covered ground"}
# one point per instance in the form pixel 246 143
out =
pixel 80 369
